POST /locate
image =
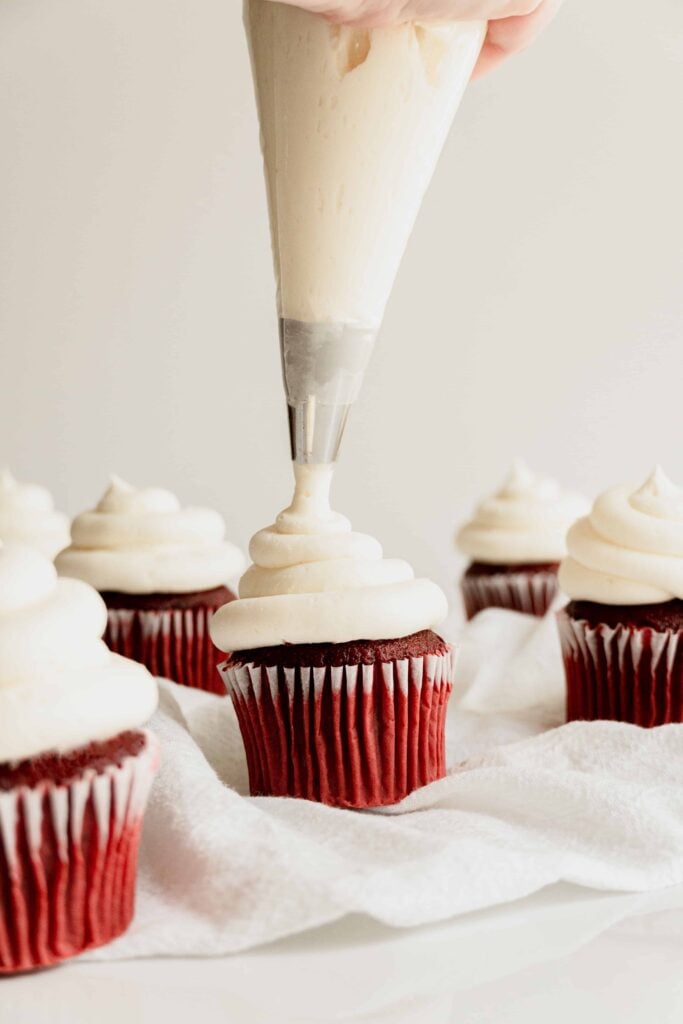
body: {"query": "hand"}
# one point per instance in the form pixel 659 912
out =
pixel 513 24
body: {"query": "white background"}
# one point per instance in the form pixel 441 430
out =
pixel 539 309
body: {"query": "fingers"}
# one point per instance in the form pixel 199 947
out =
pixel 513 24
pixel 511 35
pixel 387 12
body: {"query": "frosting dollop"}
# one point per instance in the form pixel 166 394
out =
pixel 60 686
pixel 629 550
pixel 314 580
pixel 143 542
pixel 525 522
pixel 28 514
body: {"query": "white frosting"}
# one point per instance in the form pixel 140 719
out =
pixel 27 514
pixel 60 686
pixel 629 550
pixel 352 125
pixel 316 581
pixel 525 522
pixel 143 542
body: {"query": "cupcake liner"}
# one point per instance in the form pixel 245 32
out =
pixel 532 593
pixel 622 673
pixel 68 859
pixel 348 736
pixel 173 643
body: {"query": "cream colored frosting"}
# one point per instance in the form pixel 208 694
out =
pixel 629 550
pixel 314 580
pixel 525 522
pixel 143 542
pixel 27 514
pixel 352 125
pixel 60 686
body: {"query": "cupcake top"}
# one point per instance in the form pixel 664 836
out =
pixel 316 581
pixel 60 686
pixel 524 523
pixel 27 514
pixel 143 542
pixel 629 550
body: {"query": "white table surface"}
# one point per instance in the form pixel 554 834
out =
pixel 564 954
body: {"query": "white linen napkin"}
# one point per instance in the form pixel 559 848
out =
pixel 525 804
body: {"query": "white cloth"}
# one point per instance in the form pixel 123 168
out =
pixel 524 805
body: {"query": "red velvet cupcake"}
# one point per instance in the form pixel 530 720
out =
pixel 516 540
pixel 622 634
pixel 531 589
pixel 329 710
pixel 356 724
pixel 623 663
pixel 168 633
pixel 75 768
pixel 162 571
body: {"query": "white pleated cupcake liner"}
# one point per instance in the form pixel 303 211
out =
pixel 172 642
pixel 352 736
pixel 531 593
pixel 622 673
pixel 68 858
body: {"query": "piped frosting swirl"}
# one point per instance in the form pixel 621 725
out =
pixel 28 515
pixel 314 580
pixel 143 542
pixel 525 522
pixel 60 686
pixel 629 550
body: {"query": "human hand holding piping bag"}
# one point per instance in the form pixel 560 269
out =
pixel 513 24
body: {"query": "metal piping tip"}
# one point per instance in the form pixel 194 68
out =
pixel 316 430
pixel 323 366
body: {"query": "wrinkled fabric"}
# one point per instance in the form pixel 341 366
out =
pixel 527 802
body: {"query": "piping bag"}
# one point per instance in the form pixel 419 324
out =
pixel 352 125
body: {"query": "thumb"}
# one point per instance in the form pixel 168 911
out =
pixel 511 35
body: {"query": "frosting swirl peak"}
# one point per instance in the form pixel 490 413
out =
pixel 629 550
pixel 314 580
pixel 143 542
pixel 525 522
pixel 60 686
pixel 122 497
pixel 27 514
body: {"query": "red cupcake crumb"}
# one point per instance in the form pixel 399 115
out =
pixel 666 616
pixel 64 768
pixel 214 598
pixel 355 652
pixel 530 569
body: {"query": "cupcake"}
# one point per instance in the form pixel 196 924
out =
pixel 162 571
pixel 339 683
pixel 622 631
pixel 75 767
pixel 28 515
pixel 515 542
